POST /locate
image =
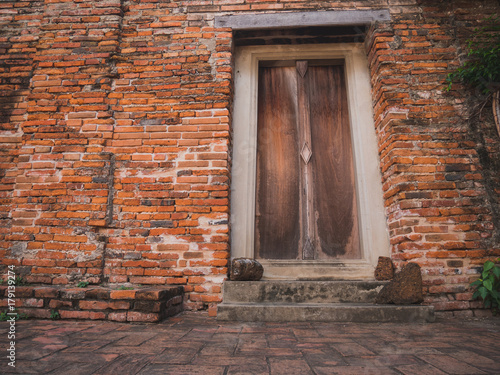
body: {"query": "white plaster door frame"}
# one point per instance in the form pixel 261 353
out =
pixel 372 221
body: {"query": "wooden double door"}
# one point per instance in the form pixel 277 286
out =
pixel 305 195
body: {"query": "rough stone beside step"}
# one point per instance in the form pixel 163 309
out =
pixel 405 288
pixel 246 269
pixel 385 269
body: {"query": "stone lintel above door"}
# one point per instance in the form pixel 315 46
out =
pixel 299 19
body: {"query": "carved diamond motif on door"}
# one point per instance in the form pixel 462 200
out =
pixel 306 153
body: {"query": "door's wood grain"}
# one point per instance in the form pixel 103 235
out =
pixel 277 200
pixel 306 202
pixel 332 162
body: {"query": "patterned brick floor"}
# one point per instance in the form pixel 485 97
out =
pixel 193 343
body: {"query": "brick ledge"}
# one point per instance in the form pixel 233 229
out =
pixel 141 304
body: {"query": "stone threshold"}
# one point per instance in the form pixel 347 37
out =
pixel 140 304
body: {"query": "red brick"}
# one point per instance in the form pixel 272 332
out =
pixel 24 291
pixel 149 294
pixel 135 316
pixel 93 305
pixel 122 294
pixel 32 302
pixel 57 304
pixel 36 313
pixel 68 314
pixel 118 317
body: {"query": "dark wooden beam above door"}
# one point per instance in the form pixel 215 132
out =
pixel 301 35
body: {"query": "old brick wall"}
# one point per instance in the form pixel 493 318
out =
pixel 135 87
pixel 116 141
pixel 439 193
pixel 19 24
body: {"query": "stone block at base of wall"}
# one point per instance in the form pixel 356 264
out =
pixel 147 304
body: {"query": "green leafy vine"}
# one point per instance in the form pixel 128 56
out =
pixel 482 69
pixel 488 286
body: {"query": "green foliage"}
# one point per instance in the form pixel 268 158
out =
pixel 82 284
pixel 482 70
pixel 19 316
pixel 123 287
pixel 488 286
pixel 54 315
pixel 20 281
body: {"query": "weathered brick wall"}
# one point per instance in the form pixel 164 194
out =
pixel 19 25
pixel 140 88
pixel 439 210
pixel 116 156
pixel 171 141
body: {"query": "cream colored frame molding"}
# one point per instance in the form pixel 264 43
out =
pixel 373 227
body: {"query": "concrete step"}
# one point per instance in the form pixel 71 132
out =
pixel 313 301
pixel 301 291
pixel 324 312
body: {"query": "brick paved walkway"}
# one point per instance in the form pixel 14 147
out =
pixel 193 343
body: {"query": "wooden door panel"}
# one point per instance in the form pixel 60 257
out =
pixel 332 164
pixel 305 194
pixel 277 207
